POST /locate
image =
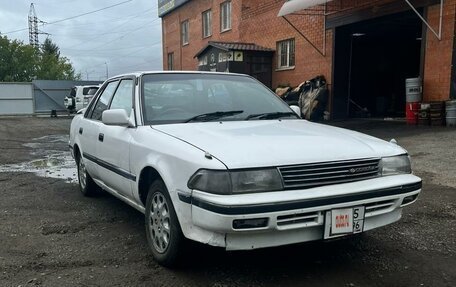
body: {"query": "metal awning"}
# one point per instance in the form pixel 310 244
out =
pixel 293 6
pixel 296 5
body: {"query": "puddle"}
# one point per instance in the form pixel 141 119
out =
pixel 55 162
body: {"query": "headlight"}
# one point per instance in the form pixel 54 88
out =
pixel 233 182
pixel 396 165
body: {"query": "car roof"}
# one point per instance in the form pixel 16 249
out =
pixel 140 73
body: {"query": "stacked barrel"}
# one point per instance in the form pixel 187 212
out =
pixel 413 100
pixel 451 113
pixel 430 113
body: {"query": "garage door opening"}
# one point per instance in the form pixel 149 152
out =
pixel 372 60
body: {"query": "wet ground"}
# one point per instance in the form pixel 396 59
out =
pixel 50 235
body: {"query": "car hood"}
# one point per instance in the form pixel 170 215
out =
pixel 261 143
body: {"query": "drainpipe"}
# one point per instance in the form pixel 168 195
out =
pixel 453 65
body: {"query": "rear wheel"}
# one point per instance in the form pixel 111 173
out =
pixel 86 184
pixel 163 231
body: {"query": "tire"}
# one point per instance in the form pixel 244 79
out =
pixel 164 235
pixel 86 184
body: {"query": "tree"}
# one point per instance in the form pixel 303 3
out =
pixel 18 62
pixel 23 63
pixel 54 67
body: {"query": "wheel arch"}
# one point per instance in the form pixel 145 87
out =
pixel 77 152
pixel 148 175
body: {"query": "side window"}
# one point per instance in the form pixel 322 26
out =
pixel 103 100
pixel 123 98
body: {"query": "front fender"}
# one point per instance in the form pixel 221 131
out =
pixel 175 161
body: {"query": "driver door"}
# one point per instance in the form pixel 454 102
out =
pixel 113 145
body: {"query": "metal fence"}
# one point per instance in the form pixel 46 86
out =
pixel 16 98
pixel 49 95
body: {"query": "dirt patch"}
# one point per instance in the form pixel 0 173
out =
pixel 53 236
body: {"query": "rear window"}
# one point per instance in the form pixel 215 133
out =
pixel 92 91
pixel 89 91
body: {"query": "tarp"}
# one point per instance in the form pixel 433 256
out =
pixel 297 5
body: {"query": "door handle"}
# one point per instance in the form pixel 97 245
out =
pixel 100 137
pixel 81 130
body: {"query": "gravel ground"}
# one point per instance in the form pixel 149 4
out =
pixel 51 235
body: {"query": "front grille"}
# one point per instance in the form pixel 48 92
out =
pixel 379 206
pixel 298 218
pixel 327 173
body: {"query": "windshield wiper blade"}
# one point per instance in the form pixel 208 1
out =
pixel 268 116
pixel 212 116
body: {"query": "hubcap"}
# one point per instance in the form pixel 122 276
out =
pixel 159 222
pixel 82 173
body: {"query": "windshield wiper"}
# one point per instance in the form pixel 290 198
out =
pixel 212 116
pixel 269 116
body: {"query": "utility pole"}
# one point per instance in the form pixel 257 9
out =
pixel 33 26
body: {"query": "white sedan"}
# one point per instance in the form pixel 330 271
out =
pixel 220 159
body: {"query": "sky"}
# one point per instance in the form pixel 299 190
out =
pixel 123 38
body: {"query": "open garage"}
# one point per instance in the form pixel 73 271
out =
pixel 373 58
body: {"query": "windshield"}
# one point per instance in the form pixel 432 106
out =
pixel 178 98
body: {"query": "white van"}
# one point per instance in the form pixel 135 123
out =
pixel 79 97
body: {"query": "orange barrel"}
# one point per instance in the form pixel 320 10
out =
pixel 411 112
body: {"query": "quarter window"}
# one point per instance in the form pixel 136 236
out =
pixel 286 53
pixel 225 16
pixel 123 98
pixel 184 32
pixel 170 61
pixel 207 23
pixel 103 100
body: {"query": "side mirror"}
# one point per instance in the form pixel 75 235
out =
pixel 115 117
pixel 296 109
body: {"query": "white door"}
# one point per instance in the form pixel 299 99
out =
pixel 89 129
pixel 113 145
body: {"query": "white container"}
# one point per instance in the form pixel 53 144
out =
pixel 413 90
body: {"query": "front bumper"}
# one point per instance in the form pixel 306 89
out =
pixel 298 215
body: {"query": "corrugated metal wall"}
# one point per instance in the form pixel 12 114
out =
pixel 49 95
pixel 16 98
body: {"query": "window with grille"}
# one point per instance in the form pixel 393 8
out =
pixel 170 61
pixel 225 16
pixel 184 32
pixel 207 23
pixel 286 53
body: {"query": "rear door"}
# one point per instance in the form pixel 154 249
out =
pixel 113 145
pixel 90 126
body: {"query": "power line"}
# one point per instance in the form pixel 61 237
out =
pixel 120 37
pixel 87 13
pixel 114 28
pixel 72 17
pixel 124 19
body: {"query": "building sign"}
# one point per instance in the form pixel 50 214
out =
pixel 165 6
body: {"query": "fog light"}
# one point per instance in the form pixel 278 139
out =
pixel 409 199
pixel 250 223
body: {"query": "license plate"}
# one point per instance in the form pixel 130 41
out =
pixel 340 222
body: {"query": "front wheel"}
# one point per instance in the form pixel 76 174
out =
pixel 86 184
pixel 163 231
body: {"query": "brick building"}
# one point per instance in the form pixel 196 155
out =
pixel 365 49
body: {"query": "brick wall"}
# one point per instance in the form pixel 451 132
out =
pixel 192 11
pixel 256 21
pixel 438 57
